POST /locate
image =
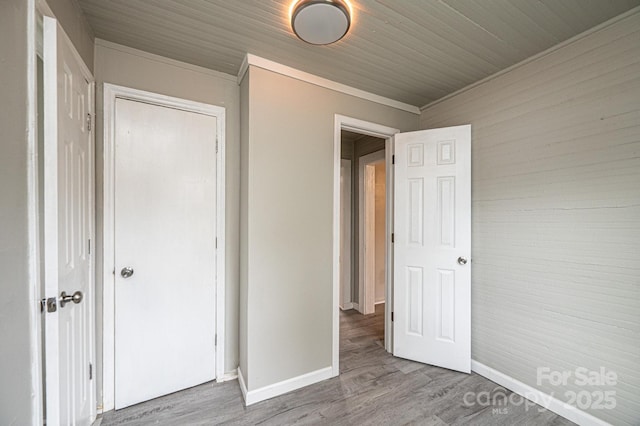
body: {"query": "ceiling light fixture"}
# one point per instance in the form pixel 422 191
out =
pixel 320 21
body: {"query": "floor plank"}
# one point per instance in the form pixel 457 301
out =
pixel 374 388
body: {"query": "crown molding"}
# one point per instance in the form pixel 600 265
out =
pixel 256 61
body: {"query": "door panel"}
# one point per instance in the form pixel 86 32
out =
pixel 68 228
pixel 165 218
pixel 432 290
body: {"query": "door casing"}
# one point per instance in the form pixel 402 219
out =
pixel 112 92
pixel 342 122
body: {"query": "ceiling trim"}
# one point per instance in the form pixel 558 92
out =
pixel 256 61
pixel 540 55
pixel 162 59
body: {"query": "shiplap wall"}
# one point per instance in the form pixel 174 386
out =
pixel 556 214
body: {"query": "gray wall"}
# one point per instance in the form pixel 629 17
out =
pixel 76 26
pixel 556 213
pixel 288 248
pixel 18 392
pixel 346 149
pixel 140 70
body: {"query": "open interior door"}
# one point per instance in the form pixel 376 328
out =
pixel 68 229
pixel 432 247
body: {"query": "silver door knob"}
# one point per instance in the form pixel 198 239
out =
pixel 67 298
pixel 126 272
pixel 462 260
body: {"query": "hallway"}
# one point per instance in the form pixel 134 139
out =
pixel 373 388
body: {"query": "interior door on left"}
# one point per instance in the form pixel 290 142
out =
pixel 68 229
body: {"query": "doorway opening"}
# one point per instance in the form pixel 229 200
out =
pixel 362 228
pixel 428 207
pixel 363 222
pixel 363 239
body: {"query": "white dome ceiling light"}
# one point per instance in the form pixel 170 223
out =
pixel 320 21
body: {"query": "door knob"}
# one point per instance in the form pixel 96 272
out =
pixel 126 272
pixel 462 260
pixel 67 298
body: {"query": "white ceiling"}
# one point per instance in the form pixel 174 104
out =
pixel 414 51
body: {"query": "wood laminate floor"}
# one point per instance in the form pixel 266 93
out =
pixel 374 388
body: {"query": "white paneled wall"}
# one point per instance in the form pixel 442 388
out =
pixel 556 214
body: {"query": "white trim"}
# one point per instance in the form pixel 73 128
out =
pixel 389 150
pixel 366 231
pixel 36 349
pixel 545 400
pixel 536 57
pixel 228 376
pixel 266 64
pixel 110 93
pixel 347 306
pixel 243 385
pixel 379 303
pixel 50 211
pixel 157 58
pixel 342 122
pixel 285 386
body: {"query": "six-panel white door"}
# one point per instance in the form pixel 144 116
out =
pixel 432 247
pixel 165 232
pixel 68 228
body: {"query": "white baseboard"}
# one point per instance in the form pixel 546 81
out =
pixel 379 303
pixel 280 388
pixel 346 306
pixel 356 306
pixel 229 375
pixel 545 400
pixel 243 386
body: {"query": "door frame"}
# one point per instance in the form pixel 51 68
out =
pixel 346 235
pixel 366 235
pixel 342 122
pixel 111 92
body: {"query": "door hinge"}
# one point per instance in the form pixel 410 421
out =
pixel 89 243
pixel 216 242
pixel 89 122
pixel 90 371
pixel 392 316
pixel 393 159
pixel 215 340
pixel 393 237
pixel 216 145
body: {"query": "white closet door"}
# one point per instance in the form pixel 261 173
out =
pixel 165 233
